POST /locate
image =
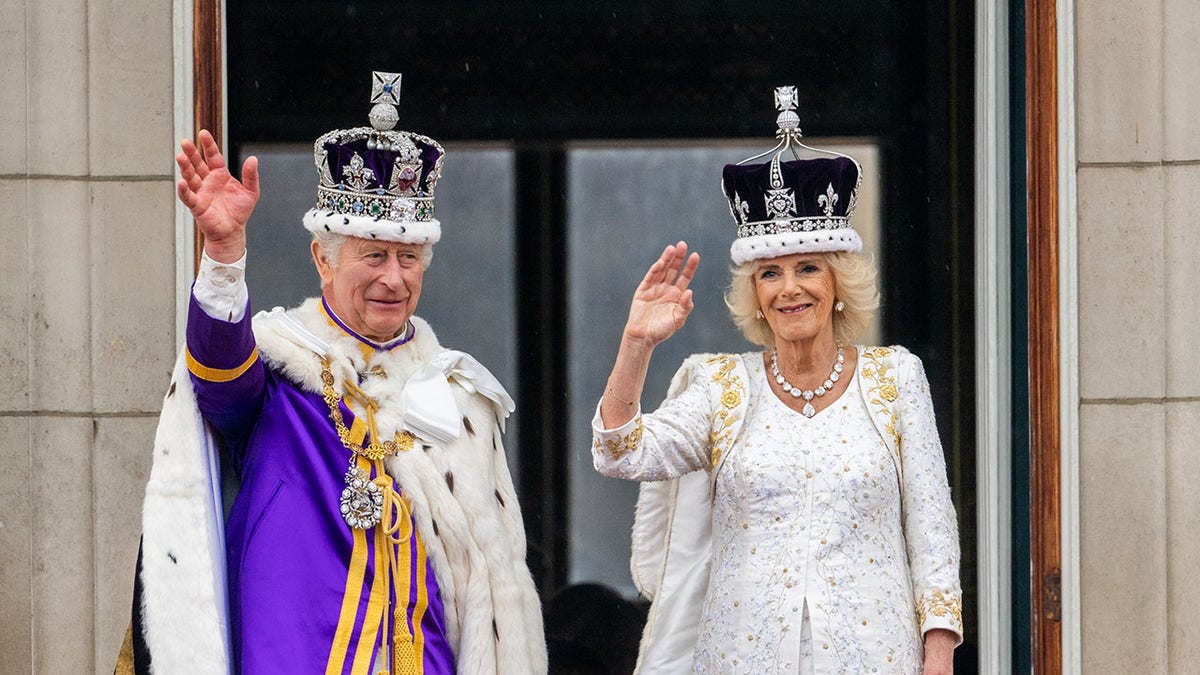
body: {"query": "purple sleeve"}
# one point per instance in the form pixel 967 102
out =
pixel 227 374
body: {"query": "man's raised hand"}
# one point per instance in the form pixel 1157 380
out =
pixel 219 202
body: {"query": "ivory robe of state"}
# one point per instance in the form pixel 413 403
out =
pixel 831 552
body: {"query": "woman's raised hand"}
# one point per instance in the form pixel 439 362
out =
pixel 660 305
pixel 662 301
pixel 220 203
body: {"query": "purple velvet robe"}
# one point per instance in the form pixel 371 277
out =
pixel 303 588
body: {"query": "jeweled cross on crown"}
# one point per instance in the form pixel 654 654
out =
pixel 385 87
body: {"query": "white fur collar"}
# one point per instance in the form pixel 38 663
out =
pixel 408 382
pixel 281 350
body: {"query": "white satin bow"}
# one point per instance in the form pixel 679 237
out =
pixel 429 408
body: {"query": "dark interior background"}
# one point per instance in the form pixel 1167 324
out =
pixel 537 75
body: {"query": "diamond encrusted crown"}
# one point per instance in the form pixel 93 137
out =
pixel 797 206
pixel 375 182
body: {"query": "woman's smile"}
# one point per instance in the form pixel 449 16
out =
pixel 793 309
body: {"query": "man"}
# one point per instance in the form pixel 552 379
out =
pixel 375 528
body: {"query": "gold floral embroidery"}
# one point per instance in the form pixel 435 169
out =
pixel 881 389
pixel 940 604
pixel 404 442
pixel 622 445
pixel 731 397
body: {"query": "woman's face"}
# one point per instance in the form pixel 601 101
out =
pixel 796 294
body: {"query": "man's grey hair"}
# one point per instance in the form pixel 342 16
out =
pixel 330 244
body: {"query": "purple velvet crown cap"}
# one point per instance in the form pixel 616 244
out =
pixel 809 180
pixel 799 206
pixel 382 164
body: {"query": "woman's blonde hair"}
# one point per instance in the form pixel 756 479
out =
pixel 854 277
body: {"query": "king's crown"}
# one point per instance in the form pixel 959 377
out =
pixel 375 181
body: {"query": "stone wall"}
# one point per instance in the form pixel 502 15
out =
pixel 87 316
pixel 1137 97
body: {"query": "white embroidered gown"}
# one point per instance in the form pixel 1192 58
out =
pixel 812 571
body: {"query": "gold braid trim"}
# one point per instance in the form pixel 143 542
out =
pixel 125 661
pixel 732 395
pixel 218 374
pixel 940 604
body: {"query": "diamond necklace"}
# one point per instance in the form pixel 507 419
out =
pixel 808 394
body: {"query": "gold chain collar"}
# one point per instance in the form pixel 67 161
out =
pixel 374 451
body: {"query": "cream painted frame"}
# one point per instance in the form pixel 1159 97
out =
pixel 185 251
pixel 1068 279
pixel 200 103
pixel 993 338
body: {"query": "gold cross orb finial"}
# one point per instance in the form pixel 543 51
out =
pixel 385 87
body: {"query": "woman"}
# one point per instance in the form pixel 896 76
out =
pixel 834 543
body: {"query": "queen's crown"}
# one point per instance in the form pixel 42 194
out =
pixel 796 205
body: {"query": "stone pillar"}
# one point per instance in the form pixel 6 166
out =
pixel 1139 327
pixel 87 316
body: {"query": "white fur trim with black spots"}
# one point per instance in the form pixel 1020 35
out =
pixel 763 246
pixel 368 227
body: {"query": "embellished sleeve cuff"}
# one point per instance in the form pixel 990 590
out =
pixel 939 609
pixel 610 445
pixel 218 350
pixel 220 289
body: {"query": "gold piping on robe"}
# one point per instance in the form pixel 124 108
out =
pixel 354 578
pixel 218 374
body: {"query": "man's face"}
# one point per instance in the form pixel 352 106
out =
pixel 375 286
